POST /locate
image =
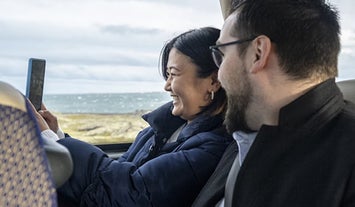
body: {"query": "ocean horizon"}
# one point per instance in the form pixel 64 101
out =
pixel 105 103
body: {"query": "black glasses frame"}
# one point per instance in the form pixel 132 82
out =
pixel 218 55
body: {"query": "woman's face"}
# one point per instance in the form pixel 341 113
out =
pixel 188 91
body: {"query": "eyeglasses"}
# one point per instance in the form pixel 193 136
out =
pixel 218 55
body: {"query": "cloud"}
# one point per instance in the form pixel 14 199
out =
pixel 127 30
pixel 348 37
pixel 60 86
pixel 186 4
pixel 109 73
pixel 109 45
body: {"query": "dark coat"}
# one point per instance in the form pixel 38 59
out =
pixel 152 172
pixel 306 161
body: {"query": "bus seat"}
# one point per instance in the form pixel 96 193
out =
pixel 226 7
pixel 347 87
pixel 26 178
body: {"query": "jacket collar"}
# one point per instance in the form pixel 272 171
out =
pixel 320 103
pixel 162 121
pixel 165 124
pixel 202 123
pixel 298 121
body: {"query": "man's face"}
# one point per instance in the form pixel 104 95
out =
pixel 234 78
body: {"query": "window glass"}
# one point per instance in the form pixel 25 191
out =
pixel 102 56
pixel 104 118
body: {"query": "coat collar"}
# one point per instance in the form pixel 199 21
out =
pixel 165 124
pixel 202 123
pixel 162 121
pixel 301 118
pixel 298 122
pixel 320 103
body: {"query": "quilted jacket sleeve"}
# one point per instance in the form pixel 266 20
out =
pixel 172 179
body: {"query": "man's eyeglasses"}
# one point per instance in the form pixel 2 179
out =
pixel 218 55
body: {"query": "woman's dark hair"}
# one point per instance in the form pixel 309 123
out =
pixel 195 44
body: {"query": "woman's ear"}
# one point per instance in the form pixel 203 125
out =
pixel 216 85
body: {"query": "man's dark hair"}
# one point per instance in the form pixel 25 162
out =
pixel 305 32
pixel 195 44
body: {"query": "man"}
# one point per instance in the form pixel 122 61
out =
pixel 294 131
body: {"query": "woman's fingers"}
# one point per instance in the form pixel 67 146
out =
pixel 50 119
pixel 43 107
pixel 40 120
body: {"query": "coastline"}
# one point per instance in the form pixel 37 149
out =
pixel 102 128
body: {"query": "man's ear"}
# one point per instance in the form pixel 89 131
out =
pixel 262 49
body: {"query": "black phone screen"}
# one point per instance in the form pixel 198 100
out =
pixel 35 81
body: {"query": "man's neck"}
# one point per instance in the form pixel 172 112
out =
pixel 264 110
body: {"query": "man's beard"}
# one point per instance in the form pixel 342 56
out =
pixel 235 119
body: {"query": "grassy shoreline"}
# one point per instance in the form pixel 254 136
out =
pixel 102 128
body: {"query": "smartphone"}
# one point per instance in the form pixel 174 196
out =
pixel 35 81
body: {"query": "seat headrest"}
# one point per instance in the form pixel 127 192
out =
pixel 347 87
pixel 9 96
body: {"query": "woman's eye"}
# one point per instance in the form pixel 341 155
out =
pixel 171 73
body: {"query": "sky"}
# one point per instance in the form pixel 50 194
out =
pixel 112 46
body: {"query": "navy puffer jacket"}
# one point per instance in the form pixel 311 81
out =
pixel 152 172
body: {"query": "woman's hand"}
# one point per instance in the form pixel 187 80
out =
pixel 51 120
pixel 40 120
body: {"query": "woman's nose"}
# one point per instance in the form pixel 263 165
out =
pixel 167 85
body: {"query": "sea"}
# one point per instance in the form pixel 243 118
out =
pixel 105 103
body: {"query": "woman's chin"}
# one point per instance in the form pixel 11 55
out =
pixel 175 111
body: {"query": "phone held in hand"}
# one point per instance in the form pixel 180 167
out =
pixel 35 81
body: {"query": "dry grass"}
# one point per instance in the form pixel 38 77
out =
pixel 102 128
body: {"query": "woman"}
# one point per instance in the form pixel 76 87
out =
pixel 170 160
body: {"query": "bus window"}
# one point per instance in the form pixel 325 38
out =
pixel 102 56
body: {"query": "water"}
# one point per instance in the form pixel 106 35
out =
pixel 105 103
